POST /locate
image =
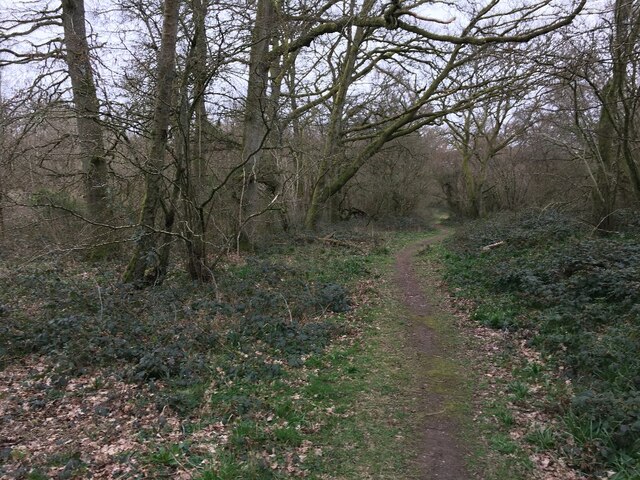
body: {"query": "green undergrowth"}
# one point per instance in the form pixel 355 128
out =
pixel 573 296
pixel 483 419
pixel 286 357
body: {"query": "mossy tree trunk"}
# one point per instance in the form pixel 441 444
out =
pixel 625 60
pixel 333 155
pixel 606 175
pixel 327 186
pixel 616 129
pixel 194 212
pixel 87 110
pixel 256 123
pixel 144 266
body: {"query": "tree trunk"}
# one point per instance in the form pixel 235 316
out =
pixel 2 227
pixel 614 133
pixel 144 267
pixel 470 185
pixel 256 107
pixel 323 191
pixel 195 225
pixel 87 110
pixel 606 177
pixel 624 54
pixel 197 250
pixel 3 177
pixel 187 184
pixel 333 142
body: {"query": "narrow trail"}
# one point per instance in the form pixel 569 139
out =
pixel 441 455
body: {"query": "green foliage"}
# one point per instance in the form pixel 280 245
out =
pixel 288 435
pixel 498 314
pixel 518 390
pixel 502 414
pixel 36 475
pixel 88 319
pixel 543 438
pixel 576 297
pixel 245 434
pixel 503 444
pixel 82 325
pixel 626 221
pixel 167 456
pixel 266 287
pixel 529 229
pixel 230 469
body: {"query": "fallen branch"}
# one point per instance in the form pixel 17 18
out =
pixel 333 241
pixel 486 248
pixel 342 243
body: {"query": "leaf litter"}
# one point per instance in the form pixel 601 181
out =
pixel 487 347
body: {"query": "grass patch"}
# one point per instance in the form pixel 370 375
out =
pixel 485 424
pixel 543 438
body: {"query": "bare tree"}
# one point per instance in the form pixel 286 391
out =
pixel 145 266
pixel 3 148
pixel 620 96
pixel 482 131
pixel 87 107
pixel 328 86
pixel 17 42
pixel 333 147
pixel 444 55
pixel 194 230
pixel 256 111
pixel 604 78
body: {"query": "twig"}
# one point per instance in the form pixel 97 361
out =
pixel 430 414
pixel 288 309
pixel 486 248
pixel 101 302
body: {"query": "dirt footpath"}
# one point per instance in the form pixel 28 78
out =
pixel 441 455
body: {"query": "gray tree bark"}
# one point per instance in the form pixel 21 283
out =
pixel 195 172
pixel 625 41
pixel 145 266
pixel 87 107
pixel 256 125
pixel 333 145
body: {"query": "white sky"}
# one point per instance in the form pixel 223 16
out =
pixel 105 21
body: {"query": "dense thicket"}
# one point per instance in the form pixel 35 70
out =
pixel 208 126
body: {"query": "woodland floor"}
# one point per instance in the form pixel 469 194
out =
pixel 466 422
pixel 392 381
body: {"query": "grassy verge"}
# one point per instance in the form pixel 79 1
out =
pixel 568 303
pixel 377 440
pixel 478 397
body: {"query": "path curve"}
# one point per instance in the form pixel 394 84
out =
pixel 441 455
